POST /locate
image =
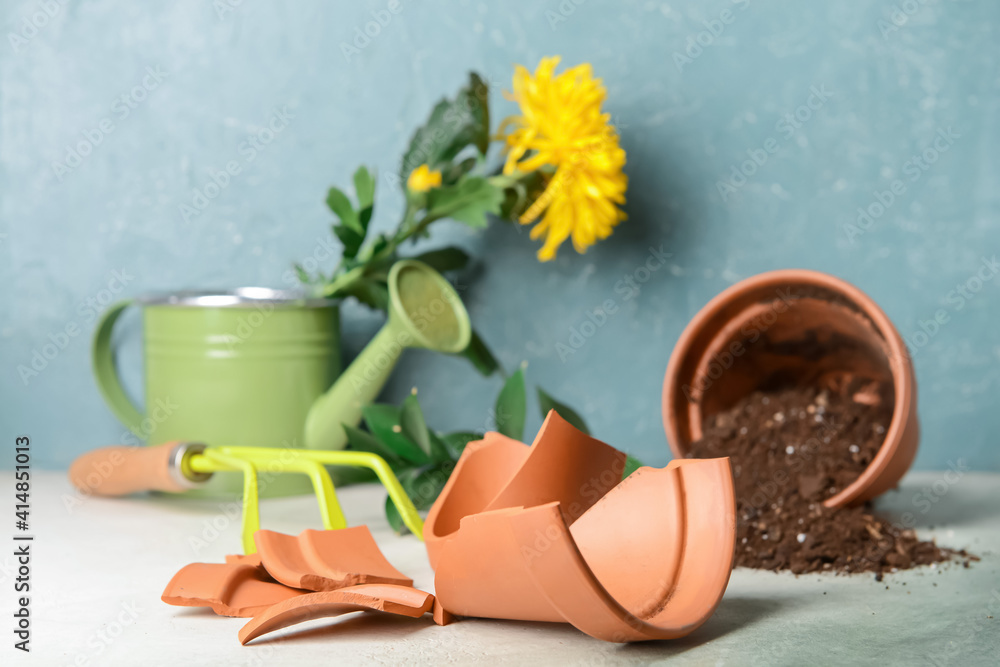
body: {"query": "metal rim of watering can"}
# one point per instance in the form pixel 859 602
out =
pixel 240 297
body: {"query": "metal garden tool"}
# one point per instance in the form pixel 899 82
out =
pixel 179 466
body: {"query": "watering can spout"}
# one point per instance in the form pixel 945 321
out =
pixel 424 311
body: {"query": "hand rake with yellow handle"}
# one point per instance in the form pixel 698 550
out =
pixel 180 466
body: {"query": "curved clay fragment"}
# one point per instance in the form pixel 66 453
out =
pixel 563 465
pixel 400 600
pixel 230 589
pixel 325 560
pixel 244 559
pixel 649 558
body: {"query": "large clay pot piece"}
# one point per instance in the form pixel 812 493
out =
pixel 546 533
pixel 563 465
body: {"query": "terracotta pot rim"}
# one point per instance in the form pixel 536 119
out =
pixel 902 372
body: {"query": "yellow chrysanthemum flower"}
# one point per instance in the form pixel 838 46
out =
pixel 561 126
pixel 423 179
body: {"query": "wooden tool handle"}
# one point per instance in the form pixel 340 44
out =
pixel 121 470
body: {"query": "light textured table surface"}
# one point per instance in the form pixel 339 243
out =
pixel 98 571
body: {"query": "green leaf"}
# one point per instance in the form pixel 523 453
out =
pixel 302 274
pixel 452 126
pixel 372 293
pixel 479 354
pixel 424 485
pixel 631 465
pixel 341 206
pixel 350 231
pixel 458 169
pixel 522 194
pixel 366 442
pixel 457 441
pixel 415 428
pixel 383 422
pixel 350 238
pixel 546 403
pixel 380 243
pixel 445 259
pixel 346 475
pixel 474 117
pixel 467 201
pixel 393 516
pixel 440 451
pixel 364 186
pixel 511 406
pixel 411 419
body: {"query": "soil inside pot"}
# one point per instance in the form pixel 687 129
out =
pixel 791 450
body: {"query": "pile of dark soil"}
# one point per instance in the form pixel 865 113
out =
pixel 791 450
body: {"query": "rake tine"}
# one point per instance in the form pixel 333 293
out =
pixel 378 465
pixel 251 504
pixel 329 505
pixel 311 463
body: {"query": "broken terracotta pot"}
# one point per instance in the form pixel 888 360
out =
pixel 325 560
pixel 563 465
pixel 284 567
pixel 230 589
pixel 245 559
pixel 794 328
pixel 399 600
pixel 548 534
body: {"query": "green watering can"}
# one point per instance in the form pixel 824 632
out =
pixel 257 367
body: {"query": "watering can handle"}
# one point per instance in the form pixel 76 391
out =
pixel 120 470
pixel 103 361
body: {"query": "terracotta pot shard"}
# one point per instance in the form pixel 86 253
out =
pixel 548 534
pixel 230 589
pixel 399 600
pixel 325 560
pixel 244 559
pixel 562 465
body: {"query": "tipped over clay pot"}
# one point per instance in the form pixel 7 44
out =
pixel 794 328
pixel 548 533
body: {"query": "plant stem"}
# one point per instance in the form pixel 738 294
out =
pixel 506 180
pixel 344 280
pixel 408 228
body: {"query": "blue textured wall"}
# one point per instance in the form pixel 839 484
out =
pixel 885 80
